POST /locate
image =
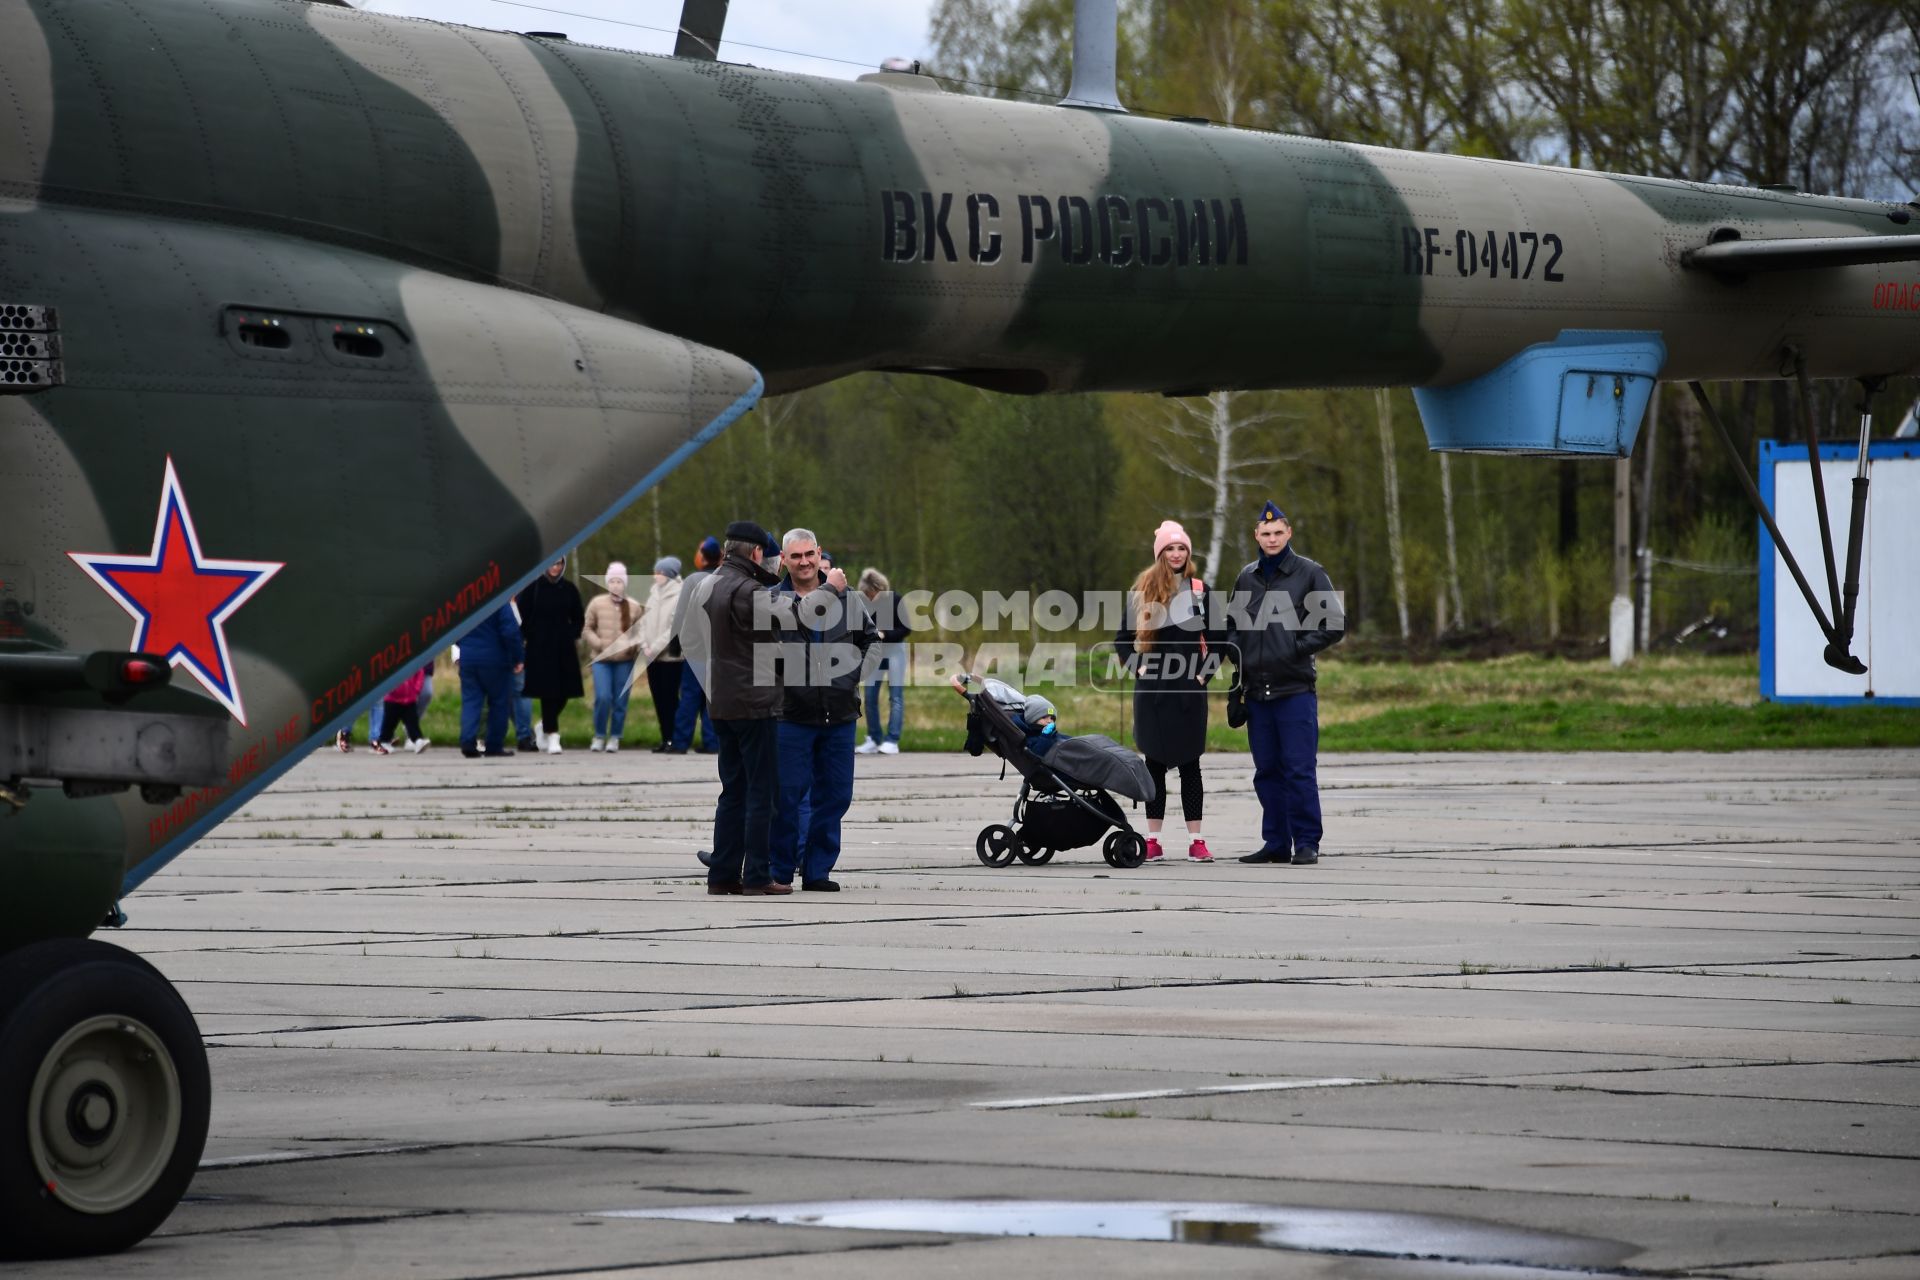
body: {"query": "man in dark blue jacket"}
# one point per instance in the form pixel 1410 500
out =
pixel 489 655
pixel 1283 611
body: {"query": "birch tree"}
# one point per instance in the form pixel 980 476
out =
pixel 1453 541
pixel 1390 475
pixel 1206 441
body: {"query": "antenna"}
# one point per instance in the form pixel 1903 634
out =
pixel 1096 55
pixel 701 23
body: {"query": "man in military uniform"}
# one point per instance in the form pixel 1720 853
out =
pixel 1283 611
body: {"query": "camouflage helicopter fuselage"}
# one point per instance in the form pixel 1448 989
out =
pixel 333 268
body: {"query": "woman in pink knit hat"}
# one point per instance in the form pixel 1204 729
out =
pixel 1167 646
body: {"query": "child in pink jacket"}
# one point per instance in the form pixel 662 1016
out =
pixel 403 704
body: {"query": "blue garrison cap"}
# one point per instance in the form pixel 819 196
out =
pixel 1270 512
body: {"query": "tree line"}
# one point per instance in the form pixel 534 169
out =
pixel 944 486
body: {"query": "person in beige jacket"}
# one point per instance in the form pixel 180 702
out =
pixel 613 619
pixel 658 649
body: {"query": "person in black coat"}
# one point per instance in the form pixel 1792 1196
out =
pixel 1166 645
pixel 551 618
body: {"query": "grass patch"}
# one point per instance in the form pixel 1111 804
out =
pixel 1555 725
pixel 1518 703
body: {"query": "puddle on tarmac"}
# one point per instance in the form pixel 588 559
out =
pixel 1338 1231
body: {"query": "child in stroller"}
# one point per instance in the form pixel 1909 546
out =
pixel 1034 718
pixel 1064 800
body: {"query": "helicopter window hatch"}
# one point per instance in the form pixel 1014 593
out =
pixel 363 345
pixel 357 343
pixel 270 337
pixel 260 334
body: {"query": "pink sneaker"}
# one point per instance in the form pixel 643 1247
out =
pixel 1154 851
pixel 1197 852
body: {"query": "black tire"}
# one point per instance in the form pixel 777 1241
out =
pixel 1124 850
pixel 1035 857
pixel 997 845
pixel 101 1027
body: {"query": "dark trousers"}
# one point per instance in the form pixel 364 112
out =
pixel 663 682
pixel 408 714
pixel 816 786
pixel 550 709
pixel 1285 737
pixel 1192 790
pixel 492 685
pixel 749 781
pixel 692 710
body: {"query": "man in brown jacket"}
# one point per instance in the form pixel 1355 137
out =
pixel 744 712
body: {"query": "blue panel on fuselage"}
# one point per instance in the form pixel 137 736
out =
pixel 1581 395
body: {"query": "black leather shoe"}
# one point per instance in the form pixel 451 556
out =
pixel 717 890
pixel 670 750
pixel 819 886
pixel 705 856
pixel 526 744
pixel 1306 855
pixel 707 751
pixel 1266 855
pixel 495 753
pixel 663 748
pixel 470 751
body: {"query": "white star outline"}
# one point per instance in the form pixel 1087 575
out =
pixel 172 496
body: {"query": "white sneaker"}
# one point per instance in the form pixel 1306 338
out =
pixel 613 745
pixel 419 744
pixel 598 744
pixel 866 748
pixel 553 744
pixel 889 748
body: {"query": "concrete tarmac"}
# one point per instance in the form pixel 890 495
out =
pixel 1606 1014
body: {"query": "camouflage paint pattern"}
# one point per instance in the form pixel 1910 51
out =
pixel 579 263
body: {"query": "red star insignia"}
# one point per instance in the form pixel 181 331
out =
pixel 180 599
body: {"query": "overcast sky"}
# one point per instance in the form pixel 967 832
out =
pixel 842 38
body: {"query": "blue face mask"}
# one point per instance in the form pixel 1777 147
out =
pixel 1047 727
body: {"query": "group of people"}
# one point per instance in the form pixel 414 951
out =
pixel 786 772
pixel 529 649
pixel 784 730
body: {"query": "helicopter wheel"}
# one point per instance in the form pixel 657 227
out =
pixel 104 1098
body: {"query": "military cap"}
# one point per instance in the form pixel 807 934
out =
pixel 747 531
pixel 1271 511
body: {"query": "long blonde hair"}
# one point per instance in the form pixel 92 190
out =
pixel 1152 591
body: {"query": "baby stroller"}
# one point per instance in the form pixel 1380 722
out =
pixel 1064 801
